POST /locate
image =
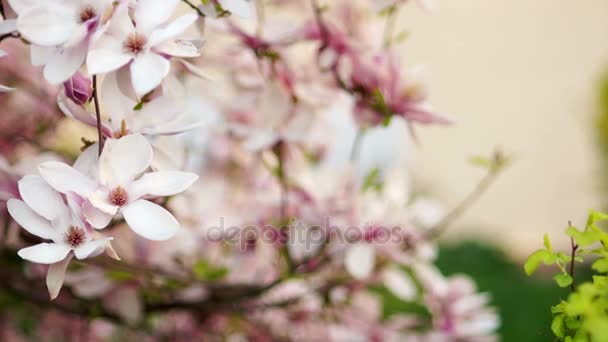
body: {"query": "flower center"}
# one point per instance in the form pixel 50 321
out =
pixel 87 12
pixel 135 43
pixel 75 237
pixel 118 196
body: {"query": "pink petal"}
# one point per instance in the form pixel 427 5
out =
pixel 92 248
pixel 150 220
pixel 45 253
pixel 30 221
pixel 162 183
pixel 56 275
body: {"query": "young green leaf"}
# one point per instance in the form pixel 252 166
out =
pixel 563 279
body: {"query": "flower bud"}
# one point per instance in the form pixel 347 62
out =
pixel 78 88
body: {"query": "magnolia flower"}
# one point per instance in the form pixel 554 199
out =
pixel 43 213
pixel 60 32
pixel 143 43
pixel 4 89
pixel 78 88
pixel 115 186
pixel 163 115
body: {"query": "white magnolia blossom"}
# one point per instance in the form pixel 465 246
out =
pixel 43 213
pixel 60 32
pixel 115 186
pixel 143 42
pixel 163 115
pixel 6 27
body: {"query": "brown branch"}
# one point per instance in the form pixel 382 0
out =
pixel 97 114
pixel 572 255
pixel 191 5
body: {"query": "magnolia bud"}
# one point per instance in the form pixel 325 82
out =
pixel 78 88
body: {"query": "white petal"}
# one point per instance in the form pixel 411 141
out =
pixel 116 103
pixel 41 55
pixel 162 183
pixel 30 221
pixel 174 29
pixel 41 197
pixel 75 111
pixel 148 71
pixel 359 260
pixel 399 283
pixel 8 26
pixel 45 253
pixel 150 220
pixel 151 13
pixel 5 89
pixel 86 163
pixel 123 159
pixel 65 63
pixel 107 55
pixel 178 48
pixel 121 24
pixel 56 275
pixel 97 218
pixel 242 8
pixel 64 179
pixel 92 248
pixel 46 25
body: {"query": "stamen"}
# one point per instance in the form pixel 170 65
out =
pixel 87 12
pixel 135 43
pixel 75 237
pixel 118 196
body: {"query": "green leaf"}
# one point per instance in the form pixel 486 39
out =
pixel 563 279
pixel 481 161
pixel 596 216
pixel 203 271
pixel 557 326
pixel 372 180
pixel 583 239
pixel 534 260
pixel 547 242
pixel 601 265
pixel 119 276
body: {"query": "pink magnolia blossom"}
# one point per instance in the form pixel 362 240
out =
pixel 116 186
pixel 62 43
pixel 44 214
pixel 143 42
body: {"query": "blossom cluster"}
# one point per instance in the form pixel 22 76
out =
pixel 191 112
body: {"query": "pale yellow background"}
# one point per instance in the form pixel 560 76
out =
pixel 521 74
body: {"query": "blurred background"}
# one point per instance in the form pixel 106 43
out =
pixel 530 78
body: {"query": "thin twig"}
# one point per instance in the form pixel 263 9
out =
pixel 572 255
pixel 499 162
pixel 194 7
pixel 97 114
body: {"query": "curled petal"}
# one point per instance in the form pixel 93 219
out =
pixel 56 275
pixel 162 183
pixel 92 248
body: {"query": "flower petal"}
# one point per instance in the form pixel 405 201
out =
pixel 359 260
pixel 242 8
pixel 107 55
pixel 41 55
pixel 46 25
pixel 97 218
pixel 92 248
pixel 162 183
pixel 56 275
pixel 65 63
pixel 399 283
pixel 41 197
pixel 150 220
pixel 45 253
pixel 8 26
pixel 174 29
pixel 123 159
pixel 148 71
pixel 151 13
pixel 30 221
pixel 65 178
